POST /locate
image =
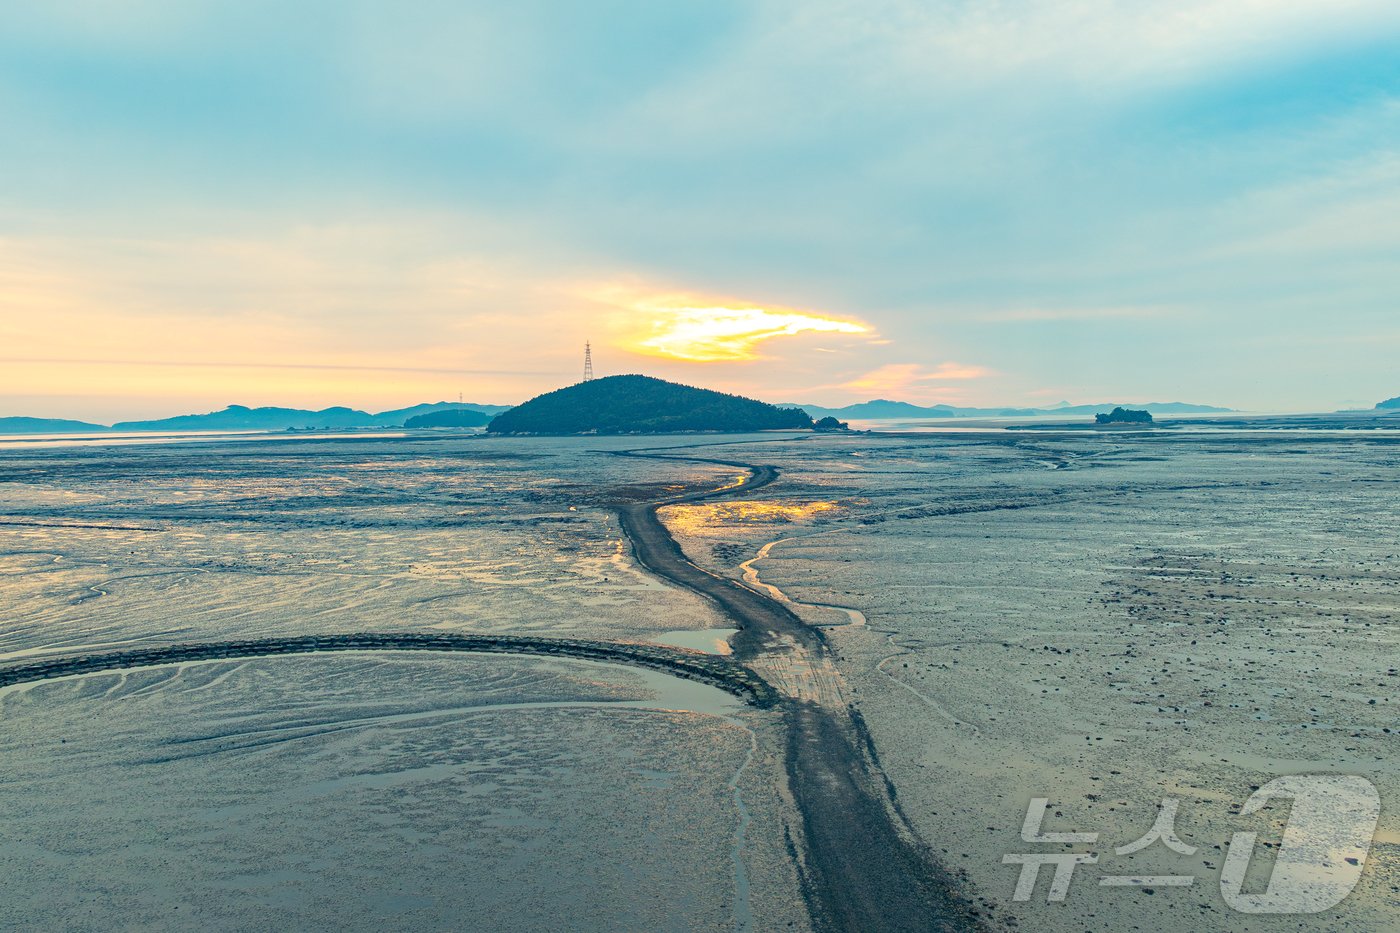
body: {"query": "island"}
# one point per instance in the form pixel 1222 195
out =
pixel 25 425
pixel 1124 416
pixel 449 418
pixel 635 404
pixel 243 418
pixel 830 425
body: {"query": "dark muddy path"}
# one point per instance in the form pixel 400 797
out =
pixel 862 867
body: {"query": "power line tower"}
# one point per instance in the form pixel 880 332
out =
pixel 587 361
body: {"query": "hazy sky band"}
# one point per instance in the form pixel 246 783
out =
pixel 1085 201
pixel 351 367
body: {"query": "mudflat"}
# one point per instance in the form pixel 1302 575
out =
pixel 953 625
pixel 1105 621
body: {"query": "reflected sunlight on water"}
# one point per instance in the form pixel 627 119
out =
pixel 689 519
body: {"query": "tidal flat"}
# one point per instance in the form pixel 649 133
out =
pixel 365 790
pixel 1105 620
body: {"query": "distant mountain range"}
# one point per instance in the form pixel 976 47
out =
pixel 884 409
pixel 449 418
pixel 635 404
pixel 242 418
pixel 46 426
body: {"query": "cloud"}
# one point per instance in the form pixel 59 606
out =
pixel 1115 44
pixel 217 364
pixel 336 315
pixel 912 381
pixel 1070 314
pixel 1192 172
pixel 705 329
pixel 728 334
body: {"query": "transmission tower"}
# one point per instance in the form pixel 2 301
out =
pixel 587 362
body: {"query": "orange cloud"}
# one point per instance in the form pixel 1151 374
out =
pixel 290 317
pixel 706 329
pixel 911 377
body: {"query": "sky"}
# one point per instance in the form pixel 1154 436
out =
pixel 1003 202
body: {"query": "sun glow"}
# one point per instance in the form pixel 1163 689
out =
pixel 728 334
pixel 707 329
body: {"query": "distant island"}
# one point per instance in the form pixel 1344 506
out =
pixel 22 425
pixel 449 418
pixel 1390 404
pixel 886 410
pixel 243 418
pixel 636 404
pixel 1122 415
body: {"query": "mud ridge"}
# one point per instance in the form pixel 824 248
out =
pixel 714 670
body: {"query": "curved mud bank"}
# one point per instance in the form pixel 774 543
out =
pixel 713 670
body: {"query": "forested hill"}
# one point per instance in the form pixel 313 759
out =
pixel 643 405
